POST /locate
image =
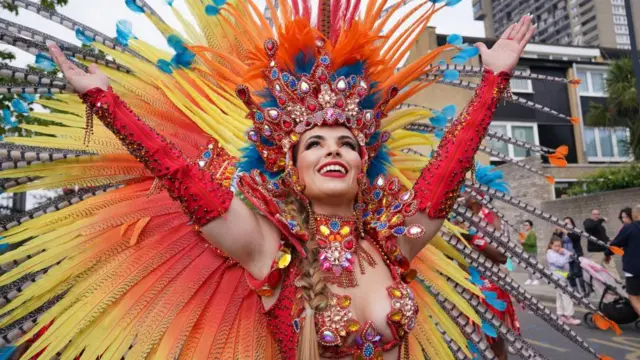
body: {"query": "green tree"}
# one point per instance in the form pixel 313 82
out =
pixel 622 108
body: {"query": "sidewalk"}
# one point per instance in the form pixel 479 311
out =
pixel 543 292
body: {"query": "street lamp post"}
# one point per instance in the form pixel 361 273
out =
pixel 634 46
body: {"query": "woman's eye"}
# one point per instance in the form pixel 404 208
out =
pixel 351 146
pixel 311 145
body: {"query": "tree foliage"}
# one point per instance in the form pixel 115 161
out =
pixel 622 108
pixel 607 180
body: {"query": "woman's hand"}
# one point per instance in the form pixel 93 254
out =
pixel 504 55
pixel 79 79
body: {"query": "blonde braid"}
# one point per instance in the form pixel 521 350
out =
pixel 314 289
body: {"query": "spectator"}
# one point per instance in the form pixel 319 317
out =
pixel 558 259
pixel 593 226
pixel 530 245
pixel 625 216
pixel 572 242
pixel 629 240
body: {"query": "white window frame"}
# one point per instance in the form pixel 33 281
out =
pixel 509 125
pixel 614 141
pixel 553 188
pixel 588 71
pixel 529 89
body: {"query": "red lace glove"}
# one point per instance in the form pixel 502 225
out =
pixel 439 184
pixel 202 198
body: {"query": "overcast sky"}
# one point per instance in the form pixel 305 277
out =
pixel 103 15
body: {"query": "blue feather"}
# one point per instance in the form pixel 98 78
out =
pixel 268 100
pixel 131 4
pixel 488 175
pixel 251 160
pixel 474 350
pixel 489 330
pixel 370 101
pixel 492 299
pixel 475 276
pixel 6 352
pixel 356 69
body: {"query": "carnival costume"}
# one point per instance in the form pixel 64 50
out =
pixel 120 268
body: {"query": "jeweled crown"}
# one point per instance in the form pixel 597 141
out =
pixel 309 100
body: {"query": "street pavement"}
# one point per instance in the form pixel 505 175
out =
pixel 555 346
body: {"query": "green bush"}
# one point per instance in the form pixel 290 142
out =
pixel 607 180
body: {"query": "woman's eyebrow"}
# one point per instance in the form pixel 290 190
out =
pixel 315 137
pixel 346 137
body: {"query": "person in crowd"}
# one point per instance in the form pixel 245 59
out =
pixel 628 239
pixel 572 242
pixel 558 259
pixel 594 226
pixel 530 245
pixel 625 216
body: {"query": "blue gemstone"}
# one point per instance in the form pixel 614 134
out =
pixel 334 225
pixel 296 325
pixel 324 60
pixel 274 74
pixel 378 115
pixel 366 214
pixel 396 207
pixel 259 117
pixel 399 231
pixel 286 77
pixel 353 79
pixel 379 212
pixel 382 226
pixel 377 194
pixel 293 84
pixel 367 351
pixel 292 225
pixel 207 154
pixel 275 185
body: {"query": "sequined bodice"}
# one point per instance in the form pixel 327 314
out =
pixel 340 334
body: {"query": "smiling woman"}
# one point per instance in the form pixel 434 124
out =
pixel 334 242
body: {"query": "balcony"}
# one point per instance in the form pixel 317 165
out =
pixel 478 10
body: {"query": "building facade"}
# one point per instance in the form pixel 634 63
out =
pixel 597 23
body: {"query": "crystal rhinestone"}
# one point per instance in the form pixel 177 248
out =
pixel 385 136
pixel 324 230
pixel 304 86
pixel 370 334
pixel 341 84
pixel 283 258
pixel 407 196
pixel 277 88
pixel 259 116
pixel 368 350
pixel 253 135
pixel 266 131
pixel 202 163
pixel 344 301
pixel 368 116
pixel 334 225
pixel 273 114
pixel 380 181
pixel 415 231
pixel 329 337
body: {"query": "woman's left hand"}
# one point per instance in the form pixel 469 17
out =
pixel 505 53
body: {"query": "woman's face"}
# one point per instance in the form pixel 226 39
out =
pixel 625 218
pixel 556 246
pixel 328 162
pixel 567 222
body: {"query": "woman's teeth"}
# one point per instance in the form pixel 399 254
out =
pixel 336 168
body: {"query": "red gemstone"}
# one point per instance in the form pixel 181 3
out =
pixel 287 124
pixel 312 106
pixel 323 77
pixel 278 137
pixel 242 92
pixel 359 121
pixel 323 243
pixel 270 45
pixel 393 92
pixel 282 100
pixel 348 244
pixel 340 103
pixel 273 280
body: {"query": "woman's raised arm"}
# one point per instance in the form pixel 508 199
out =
pixel 438 186
pixel 224 220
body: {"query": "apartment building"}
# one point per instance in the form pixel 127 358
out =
pixel 596 23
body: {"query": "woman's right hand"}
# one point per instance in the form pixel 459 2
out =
pixel 80 80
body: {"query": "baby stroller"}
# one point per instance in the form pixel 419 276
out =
pixel 613 303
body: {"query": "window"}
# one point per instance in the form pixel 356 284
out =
pixel 623 39
pixel 621 29
pixel 618 10
pixel 621 20
pixel 606 144
pixel 522 131
pixel 593 82
pixel 561 186
pixel 617 2
pixel 521 85
pixel 624 47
